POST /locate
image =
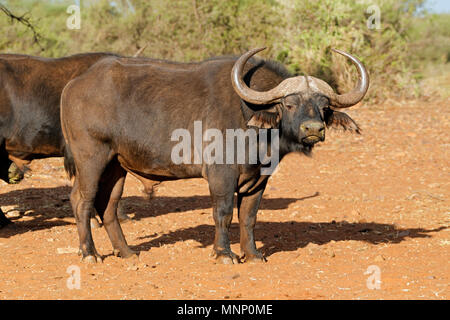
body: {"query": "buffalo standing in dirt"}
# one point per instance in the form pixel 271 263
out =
pixel 30 93
pixel 120 116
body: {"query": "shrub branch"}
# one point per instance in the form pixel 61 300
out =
pixel 26 22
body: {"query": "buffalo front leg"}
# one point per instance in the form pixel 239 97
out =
pixel 222 182
pixel 223 214
pixel 248 205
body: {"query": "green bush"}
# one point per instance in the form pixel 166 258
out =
pixel 298 33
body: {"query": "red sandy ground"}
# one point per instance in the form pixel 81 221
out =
pixel 379 199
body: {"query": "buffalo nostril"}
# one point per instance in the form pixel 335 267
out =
pixel 312 127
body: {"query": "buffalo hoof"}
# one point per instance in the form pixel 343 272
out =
pixel 95 224
pixel 129 254
pixel 92 259
pixel 254 258
pixel 225 257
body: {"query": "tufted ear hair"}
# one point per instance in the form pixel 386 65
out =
pixel 266 119
pixel 340 120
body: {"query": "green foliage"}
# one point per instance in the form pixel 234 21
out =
pixel 317 26
pixel 298 33
pixel 430 36
pixel 430 53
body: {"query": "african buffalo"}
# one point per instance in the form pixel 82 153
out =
pixel 30 93
pixel 121 115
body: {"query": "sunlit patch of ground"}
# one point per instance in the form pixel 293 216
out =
pixel 365 208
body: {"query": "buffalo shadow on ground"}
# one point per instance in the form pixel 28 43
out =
pixel 293 235
pixel 50 207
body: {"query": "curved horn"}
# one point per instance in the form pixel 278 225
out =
pixel 247 94
pixel 357 94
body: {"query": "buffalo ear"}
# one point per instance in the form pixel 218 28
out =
pixel 340 120
pixel 267 119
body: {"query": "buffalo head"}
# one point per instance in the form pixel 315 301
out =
pixel 303 104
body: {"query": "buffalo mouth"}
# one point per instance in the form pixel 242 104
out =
pixel 312 139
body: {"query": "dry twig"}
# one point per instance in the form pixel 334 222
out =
pixel 26 22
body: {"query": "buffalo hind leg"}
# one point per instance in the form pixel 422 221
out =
pixel 248 206
pixel 83 208
pixel 75 197
pixel 90 167
pixel 121 214
pixel 107 205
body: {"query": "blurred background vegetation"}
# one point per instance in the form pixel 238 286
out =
pixel 408 57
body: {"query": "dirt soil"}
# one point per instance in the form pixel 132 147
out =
pixel 364 207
